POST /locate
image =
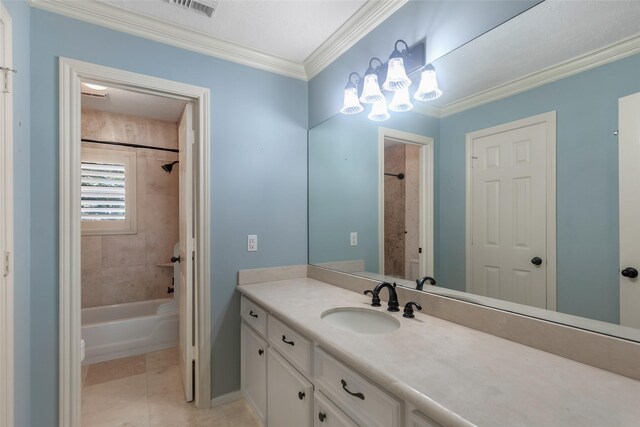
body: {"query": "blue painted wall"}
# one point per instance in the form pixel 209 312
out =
pixel 445 24
pixel 343 184
pixel 20 12
pixel 587 183
pixel 258 180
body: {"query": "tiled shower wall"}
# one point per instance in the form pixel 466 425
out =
pixel 394 211
pixel 124 268
pixel 401 209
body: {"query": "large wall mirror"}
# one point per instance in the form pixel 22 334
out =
pixel 515 189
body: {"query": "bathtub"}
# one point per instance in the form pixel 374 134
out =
pixel 122 330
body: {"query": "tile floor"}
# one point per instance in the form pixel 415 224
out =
pixel 146 391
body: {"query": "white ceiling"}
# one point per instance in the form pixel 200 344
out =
pixel 123 101
pixel 290 29
pixel 526 47
pixel 544 36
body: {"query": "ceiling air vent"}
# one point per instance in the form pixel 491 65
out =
pixel 198 6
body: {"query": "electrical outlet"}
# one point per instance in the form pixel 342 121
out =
pixel 252 243
pixel 354 238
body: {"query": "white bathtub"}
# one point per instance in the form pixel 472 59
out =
pixel 122 330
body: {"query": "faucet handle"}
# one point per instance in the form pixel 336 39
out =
pixel 375 300
pixel 408 311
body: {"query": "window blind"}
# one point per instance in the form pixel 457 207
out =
pixel 102 192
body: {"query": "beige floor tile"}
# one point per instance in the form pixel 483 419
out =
pixel 162 359
pixel 116 369
pixel 109 394
pixel 153 398
pixel 121 402
pixel 83 373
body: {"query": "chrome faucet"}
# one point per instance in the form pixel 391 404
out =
pixel 393 296
pixel 420 282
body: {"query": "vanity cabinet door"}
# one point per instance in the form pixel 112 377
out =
pixel 254 370
pixel 326 414
pixel 290 401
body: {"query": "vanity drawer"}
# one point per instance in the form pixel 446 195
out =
pixel 293 346
pixel 367 404
pixel 254 315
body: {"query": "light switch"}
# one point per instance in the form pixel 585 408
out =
pixel 252 243
pixel 354 238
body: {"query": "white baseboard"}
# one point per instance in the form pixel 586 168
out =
pixel 226 398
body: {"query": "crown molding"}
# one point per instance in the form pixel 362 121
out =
pixel 368 17
pixel 551 74
pixel 106 15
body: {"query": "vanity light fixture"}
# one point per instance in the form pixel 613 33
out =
pixel 95 86
pixel 396 74
pixel 371 92
pixel 379 111
pixel 351 104
pixel 403 61
pixel 401 101
pixel 428 89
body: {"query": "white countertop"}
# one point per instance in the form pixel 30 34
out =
pixel 455 374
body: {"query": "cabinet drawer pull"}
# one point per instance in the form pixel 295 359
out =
pixel 284 340
pixel 301 395
pixel 344 387
pixel 252 314
pixel 260 352
pixel 322 416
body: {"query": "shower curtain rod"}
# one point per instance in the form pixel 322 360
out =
pixel 125 144
pixel 397 175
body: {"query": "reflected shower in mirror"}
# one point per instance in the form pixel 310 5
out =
pixel 527 202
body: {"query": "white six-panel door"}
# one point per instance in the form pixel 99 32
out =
pixel 186 288
pixel 629 187
pixel 509 212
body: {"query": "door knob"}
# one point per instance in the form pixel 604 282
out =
pixel 175 259
pixel 536 260
pixel 630 272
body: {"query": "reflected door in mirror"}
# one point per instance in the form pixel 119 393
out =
pixel 508 212
pixel 629 184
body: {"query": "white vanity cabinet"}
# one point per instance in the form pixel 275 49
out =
pixel 290 395
pixel 326 414
pixel 290 382
pixel 415 418
pixel 254 370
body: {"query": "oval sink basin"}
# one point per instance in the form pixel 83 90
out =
pixel 360 320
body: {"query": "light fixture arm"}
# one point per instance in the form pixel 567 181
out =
pixel 351 83
pixel 397 53
pixel 375 70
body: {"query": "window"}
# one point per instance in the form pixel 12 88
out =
pixel 108 191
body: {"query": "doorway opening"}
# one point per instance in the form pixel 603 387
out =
pixel 405 221
pixel 134 209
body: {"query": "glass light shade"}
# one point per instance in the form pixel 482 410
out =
pixel 428 89
pixel 351 103
pixel 371 92
pixel 401 101
pixel 379 111
pixel 396 75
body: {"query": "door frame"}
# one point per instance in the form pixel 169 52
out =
pixel 6 229
pixel 426 239
pixel 550 120
pixel 71 72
